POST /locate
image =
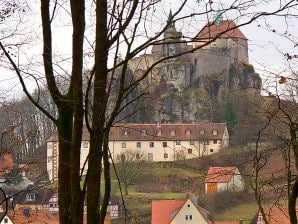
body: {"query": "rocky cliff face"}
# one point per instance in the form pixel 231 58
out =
pixel 179 97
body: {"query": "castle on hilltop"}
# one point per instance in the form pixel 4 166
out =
pixel 217 63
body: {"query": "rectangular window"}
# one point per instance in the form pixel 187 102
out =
pixel 85 144
pixel 178 142
pixel 166 155
pixel 150 156
pixel 151 144
pixel 5 220
pixel 211 150
pixel 138 144
pixel 192 142
pixel 30 197
pixel 189 151
pixel 186 217
pixel 165 144
pixel 215 141
pixel 190 217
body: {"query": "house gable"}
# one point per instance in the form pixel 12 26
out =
pixel 189 213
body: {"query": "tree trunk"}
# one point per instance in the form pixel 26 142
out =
pixel 292 203
pixel 65 135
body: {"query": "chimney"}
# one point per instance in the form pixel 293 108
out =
pixel 26 212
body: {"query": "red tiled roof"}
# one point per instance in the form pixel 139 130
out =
pixel 220 174
pixel 6 162
pixel 135 132
pixel 162 210
pixel 226 222
pixel 278 215
pixel 36 216
pixel 226 29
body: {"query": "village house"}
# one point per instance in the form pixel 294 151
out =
pixel 274 214
pixel 182 211
pixel 113 207
pixel 156 142
pixel 179 211
pixel 220 179
pixel 35 199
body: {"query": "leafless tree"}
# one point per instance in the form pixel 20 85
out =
pixel 115 26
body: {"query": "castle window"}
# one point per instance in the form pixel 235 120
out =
pixel 173 132
pixel 144 132
pixel 159 133
pixel 202 132
pixel 151 144
pixel 164 144
pixel 187 132
pixel 214 132
pixel 189 151
pixel 123 145
pixel 138 144
pixel 178 142
pixel 214 141
pixel 211 150
pixel 166 155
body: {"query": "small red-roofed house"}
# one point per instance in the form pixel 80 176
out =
pixel 223 179
pixel 179 211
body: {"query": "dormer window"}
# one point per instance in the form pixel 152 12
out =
pixel 173 132
pixel 202 132
pixel 214 132
pixel 30 197
pixel 187 132
pixel 144 132
pixel 125 133
pixel 158 132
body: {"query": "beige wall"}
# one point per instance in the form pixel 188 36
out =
pixel 172 149
pixel 175 152
pixel 188 209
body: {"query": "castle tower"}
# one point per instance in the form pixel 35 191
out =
pixel 172 38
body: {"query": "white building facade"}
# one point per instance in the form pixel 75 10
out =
pixel 152 142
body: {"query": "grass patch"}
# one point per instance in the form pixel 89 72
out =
pixel 245 211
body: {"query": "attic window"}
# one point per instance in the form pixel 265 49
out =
pixel 202 132
pixel 144 132
pixel 125 133
pixel 30 197
pixel 173 132
pixel 214 132
pixel 187 132
pixel 159 133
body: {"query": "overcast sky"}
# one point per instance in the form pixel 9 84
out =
pixel 266 48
